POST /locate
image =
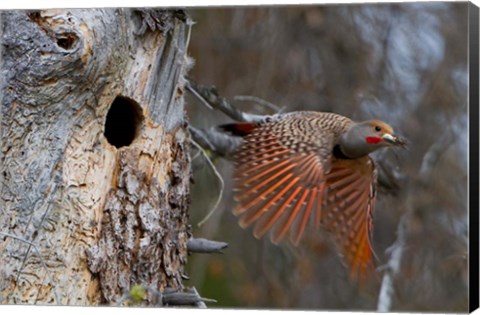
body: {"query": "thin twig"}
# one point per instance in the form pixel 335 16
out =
pixel 198 96
pixel 41 260
pixel 189 23
pixel 260 101
pixel 196 156
pixel 200 138
pixel 217 174
pixel 200 304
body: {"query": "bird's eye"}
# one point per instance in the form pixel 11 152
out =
pixel 378 128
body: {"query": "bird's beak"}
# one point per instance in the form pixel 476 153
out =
pixel 394 140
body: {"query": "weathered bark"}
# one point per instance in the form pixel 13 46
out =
pixel 82 220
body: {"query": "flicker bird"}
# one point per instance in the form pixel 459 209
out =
pixel 303 167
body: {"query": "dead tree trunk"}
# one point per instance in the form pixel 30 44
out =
pixel 94 163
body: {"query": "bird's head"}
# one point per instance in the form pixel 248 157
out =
pixel 365 137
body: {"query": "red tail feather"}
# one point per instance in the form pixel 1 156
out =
pixel 239 129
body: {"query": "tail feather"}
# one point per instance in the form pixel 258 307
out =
pixel 239 129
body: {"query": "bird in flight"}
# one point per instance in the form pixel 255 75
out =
pixel 301 167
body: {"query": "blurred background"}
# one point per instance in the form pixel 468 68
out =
pixel 403 63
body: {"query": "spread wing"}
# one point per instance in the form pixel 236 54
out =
pixel 283 181
pixel 348 211
pixel 280 180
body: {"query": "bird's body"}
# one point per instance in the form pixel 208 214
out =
pixel 310 166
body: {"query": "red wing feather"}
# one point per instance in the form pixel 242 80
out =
pixel 273 184
pixel 348 212
pixel 282 227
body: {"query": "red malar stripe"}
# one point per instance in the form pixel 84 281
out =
pixel 373 140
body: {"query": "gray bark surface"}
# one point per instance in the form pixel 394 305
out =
pixel 82 221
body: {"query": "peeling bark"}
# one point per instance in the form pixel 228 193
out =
pixel 81 220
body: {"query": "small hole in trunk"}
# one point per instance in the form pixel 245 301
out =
pixel 123 122
pixel 66 40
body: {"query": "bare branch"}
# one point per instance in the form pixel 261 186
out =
pixel 201 245
pixel 169 296
pixel 210 98
pixel 185 298
pixel 219 142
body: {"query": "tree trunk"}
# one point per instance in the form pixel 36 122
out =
pixel 94 155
